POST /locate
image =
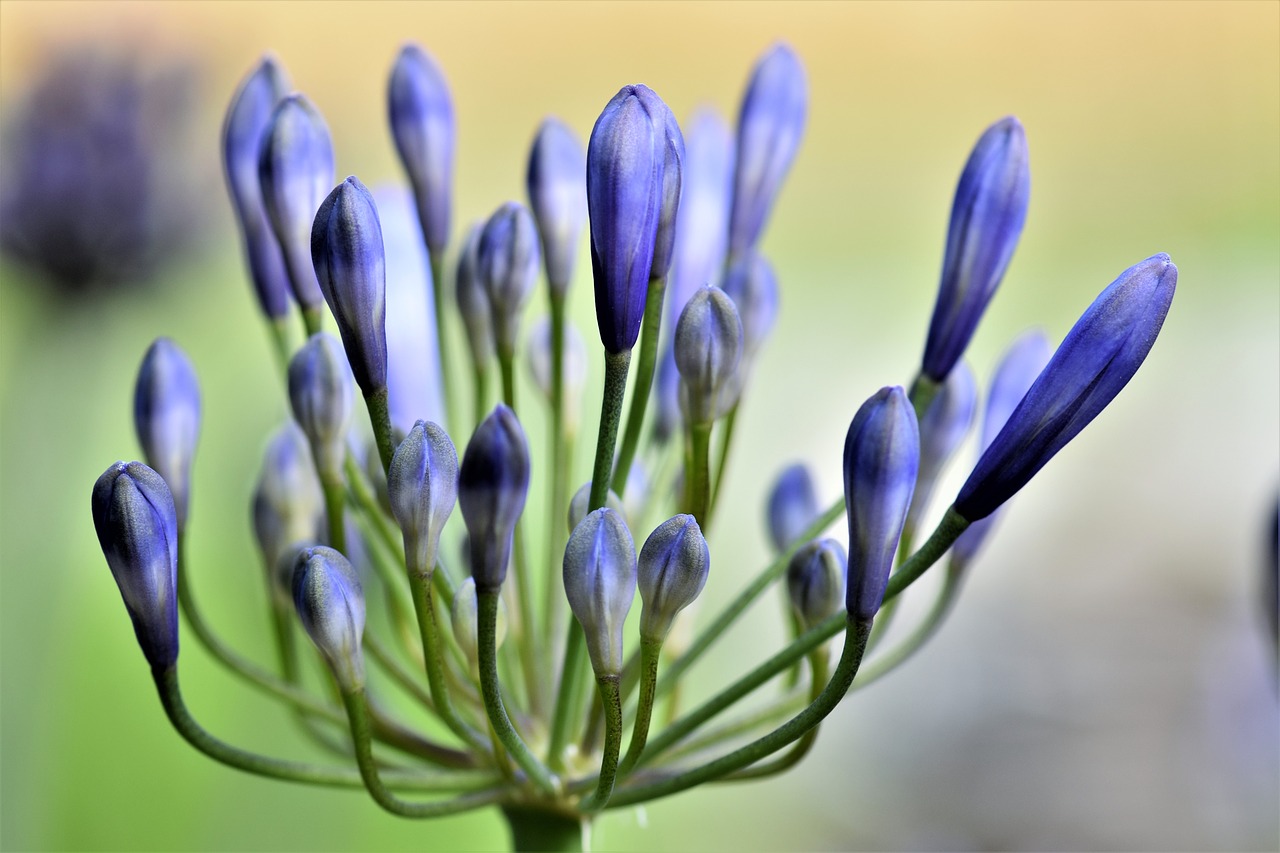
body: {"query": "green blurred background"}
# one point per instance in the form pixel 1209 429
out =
pixel 1105 683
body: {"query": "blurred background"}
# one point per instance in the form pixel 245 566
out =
pixel 1106 682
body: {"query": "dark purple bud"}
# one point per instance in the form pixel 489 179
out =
pixel 793 506
pixel 671 572
pixel 1097 358
pixel 753 287
pixel 944 425
pixel 507 260
pixel 138 530
pixel 600 583
pixel 295 170
pixel 815 581
pixel 881 460
pixel 288 504
pixel 708 347
pixel 493 484
pixel 321 396
pixel 351 266
pixel 166 416
pixel 422 122
pixel 246 124
pixel 770 127
pixel 558 198
pixel 422 485
pixel 330 601
pixel 987 215
pixel 702 228
pixel 473 301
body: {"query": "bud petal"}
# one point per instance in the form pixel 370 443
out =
pixel 815 581
pixel 321 396
pixel 422 122
pixel 422 484
pixel 943 427
pixel 708 347
pixel 753 287
pixel 582 498
pixel 702 228
pixel 508 259
pixel 166 416
pixel 793 506
pixel 672 571
pixel 493 484
pixel 600 583
pixel 288 505
pixel 330 602
pixel 558 198
pixel 473 301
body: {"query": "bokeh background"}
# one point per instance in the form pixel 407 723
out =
pixel 1106 682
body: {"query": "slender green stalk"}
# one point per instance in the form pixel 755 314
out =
pixel 507 367
pixel 612 701
pixel 616 366
pixel 480 381
pixel 380 420
pixel 527 644
pixel 947 531
pixel 698 477
pixel 770 714
pixel 650 654
pixel 552 600
pixel 885 617
pixel 896 656
pixel 722 462
pixel 335 494
pixel 923 390
pixel 575 649
pixel 313 319
pixel 819 667
pixel 279 329
pixel 442 342
pixel 649 335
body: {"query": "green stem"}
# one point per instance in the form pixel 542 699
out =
pixel 541 829
pixel 885 617
pixel 771 714
pixel 616 365
pixel 442 343
pixel 527 641
pixel 899 654
pixel 722 462
pixel 649 332
pixel 507 367
pixel 335 494
pixel 923 390
pixel 698 477
pixel 562 722
pixel 947 531
pixel 380 420
pixel 313 319
pixel 279 329
pixel 553 601
pixel 480 380
pixel 650 654
pixel 612 701
pixel 819 668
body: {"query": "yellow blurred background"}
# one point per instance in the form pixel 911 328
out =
pixel 1106 681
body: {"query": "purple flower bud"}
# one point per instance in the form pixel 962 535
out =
pixel 288 505
pixel 422 122
pixel 558 198
pixel 330 600
pixel 493 484
pixel 987 215
pixel 672 179
pixel 246 124
pixel 815 581
pixel 350 264
pixel 600 583
pixel 793 506
pixel 422 485
pixel 138 530
pixel 166 416
pixel 770 127
pixel 473 301
pixel 575 366
pixel 708 347
pixel 508 259
pixel 943 426
pixel 702 228
pixel 672 571
pixel 295 170
pixel 321 396
pixel 1097 358
pixel 881 460
pixel 582 498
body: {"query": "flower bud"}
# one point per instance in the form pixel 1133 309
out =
pixel 702 228
pixel 346 249
pixel 881 461
pixel 422 484
pixel 330 600
pixel 493 484
pixel 708 346
pixel 793 506
pixel 575 367
pixel 582 499
pixel 473 301
pixel 166 416
pixel 137 527
pixel 321 396
pixel 815 581
pixel 600 583
pixel 508 259
pixel 466 622
pixel 242 132
pixel 288 504
pixel 770 126
pixel 753 287
pixel 295 170
pixel 672 571
pixel 944 425
pixel 672 179
pixel 1097 358
pixel 987 215
pixel 422 122
pixel 558 198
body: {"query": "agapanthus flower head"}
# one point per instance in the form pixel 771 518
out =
pixel 881 461
pixel 793 506
pixel 295 170
pixel 422 486
pixel 350 264
pixel 575 367
pixel 671 571
pixel 702 228
pixel 166 417
pixel 137 527
pixel 558 197
pixel 423 125
pixel 1093 363
pixel 507 259
pixel 943 427
pixel 815 581
pixel 248 118
pixel 465 618
pixel 288 504
pixel 473 301
pixel 987 215
pixel 322 395
pixel 770 126
pixel 330 600
pixel 600 583
pixel 708 347
pixel 493 484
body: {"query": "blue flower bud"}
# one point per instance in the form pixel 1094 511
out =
pixel 672 179
pixel 422 122
pixel 422 485
pixel 881 460
pixel 321 395
pixel 944 425
pixel 666 392
pixel 346 249
pixel 242 132
pixel 575 367
pixel 702 228
pixel 138 530
pixel 708 347
pixel 295 170
pixel 753 287
pixel 508 259
pixel 493 484
pixel 558 198
pixel 288 504
pixel 815 581
pixel 600 583
pixel 987 215
pixel 473 301
pixel 330 600
pixel 1095 360
pixel 166 416
pixel 465 617
pixel 793 506
pixel 671 572
pixel 581 500
pixel 1018 368
pixel 770 127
